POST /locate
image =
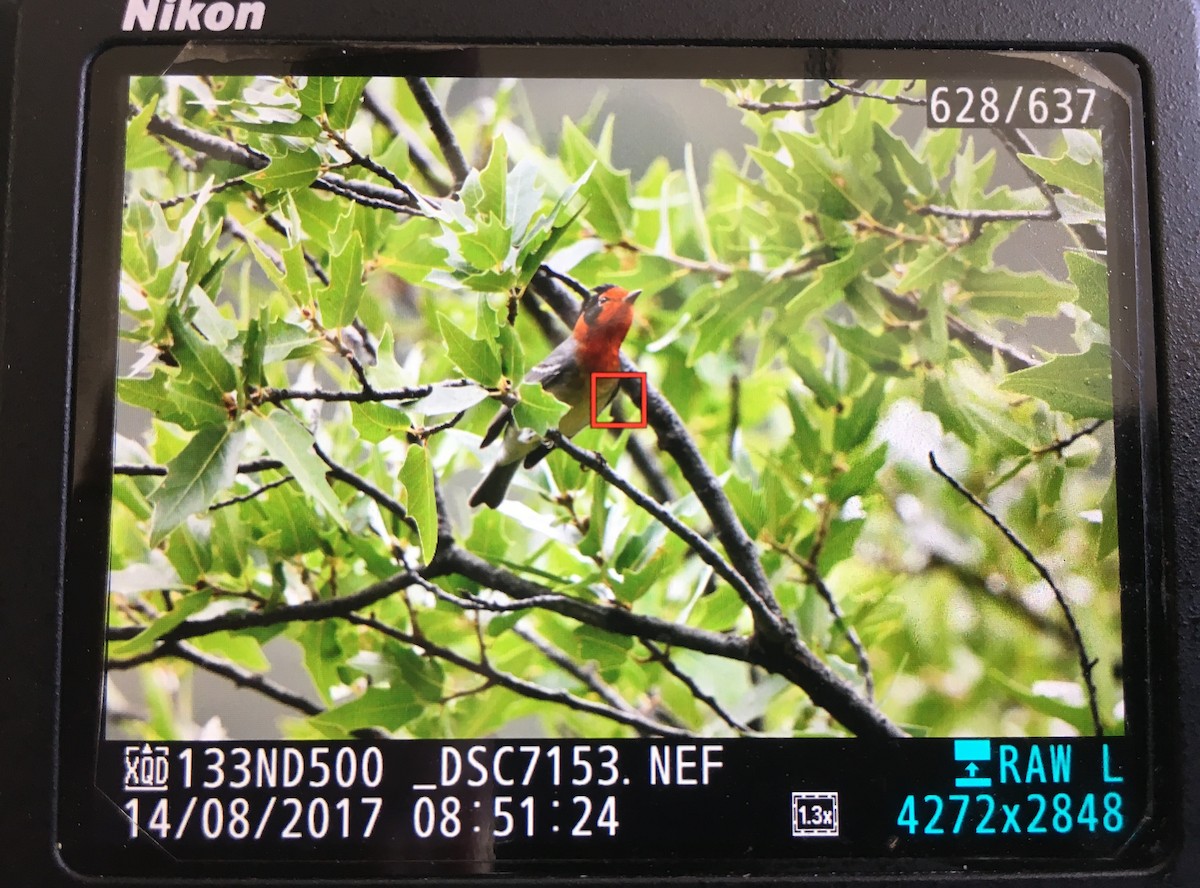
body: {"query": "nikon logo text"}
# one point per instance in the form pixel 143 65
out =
pixel 185 15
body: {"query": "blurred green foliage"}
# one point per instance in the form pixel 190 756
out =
pixel 805 288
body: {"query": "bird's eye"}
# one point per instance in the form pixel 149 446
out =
pixel 603 299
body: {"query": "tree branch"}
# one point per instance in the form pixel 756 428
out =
pixel 243 678
pixel 659 655
pixel 1050 215
pixel 422 161
pixel 695 542
pixel 1086 664
pixel 813 577
pixel 519 685
pixel 977 341
pixel 307 612
pixel 246 468
pixel 442 131
pixel 775 644
pixel 585 675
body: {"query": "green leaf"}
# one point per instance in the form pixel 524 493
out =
pixel 856 424
pixel 417 477
pixel 1016 294
pixel 814 380
pixel 538 409
pixel 189 551
pixel 606 191
pixel 378 707
pixel 1084 179
pixel 593 541
pixel 1079 385
pixel 339 301
pixel 292 444
pixel 1107 542
pixel 605 649
pixel 238 647
pixel 295 275
pixel 477 360
pixel 186 403
pixel 184 607
pixel 322 655
pixel 805 435
pixel 317 93
pixel 1079 717
pixel 831 279
pixel 349 96
pixel 202 469
pixel 252 353
pixel 1090 277
pixel 860 476
pixel 880 353
pixel 201 359
pixel 493 179
pixel 422 677
pixel 933 264
pixel 296 169
pixel 377 422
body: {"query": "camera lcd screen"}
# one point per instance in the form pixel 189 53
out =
pixel 497 459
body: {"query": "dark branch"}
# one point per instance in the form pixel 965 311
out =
pixel 240 676
pixel 254 494
pixel 442 131
pixel 365 487
pixel 1062 444
pixel 659 655
pixel 246 468
pixel 308 612
pixel 988 215
pixel 1086 664
pixel 422 161
pixel 519 685
pixel 977 341
pixel 695 542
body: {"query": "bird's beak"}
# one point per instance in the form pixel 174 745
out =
pixel 632 297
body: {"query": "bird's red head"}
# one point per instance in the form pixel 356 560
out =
pixel 605 319
pixel 608 311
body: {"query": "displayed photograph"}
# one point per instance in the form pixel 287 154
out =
pixel 597 408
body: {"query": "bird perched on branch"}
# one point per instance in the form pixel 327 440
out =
pixel 594 346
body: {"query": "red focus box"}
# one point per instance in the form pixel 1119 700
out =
pixel 595 420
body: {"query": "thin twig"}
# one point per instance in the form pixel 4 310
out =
pixel 809 105
pixel 254 494
pixel 1086 664
pixel 307 612
pixel 363 486
pixel 585 675
pixel 411 393
pixel 988 215
pixel 866 94
pixel 366 162
pixel 243 678
pixel 1062 444
pixel 813 577
pixel 662 656
pixel 246 468
pixel 525 688
pixel 695 542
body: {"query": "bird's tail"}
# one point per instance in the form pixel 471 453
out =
pixel 494 486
